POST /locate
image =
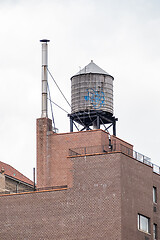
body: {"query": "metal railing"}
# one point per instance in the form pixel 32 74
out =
pixel 15 191
pixel 63 187
pixel 102 149
pixel 52 188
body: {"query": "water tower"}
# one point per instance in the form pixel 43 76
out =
pixel 92 99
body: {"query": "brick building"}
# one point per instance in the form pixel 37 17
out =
pixel 86 191
pixel 90 185
pixel 12 181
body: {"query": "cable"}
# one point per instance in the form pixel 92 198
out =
pixel 51 106
pixel 64 97
pixel 58 106
pixel 58 87
pixel 63 110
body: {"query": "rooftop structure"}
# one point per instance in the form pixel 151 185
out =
pixel 12 180
pixel 92 98
pixel 92 68
pixel 90 184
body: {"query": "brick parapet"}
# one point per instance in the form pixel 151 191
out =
pixel 53 166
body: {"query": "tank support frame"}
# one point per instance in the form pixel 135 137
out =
pixel 93 118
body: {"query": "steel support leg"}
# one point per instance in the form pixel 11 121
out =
pixel 98 122
pixel 71 124
pixel 114 128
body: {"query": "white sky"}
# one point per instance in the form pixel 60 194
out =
pixel 121 36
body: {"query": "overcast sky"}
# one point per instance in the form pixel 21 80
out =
pixel 121 36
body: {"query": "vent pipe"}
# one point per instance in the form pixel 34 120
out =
pixel 44 42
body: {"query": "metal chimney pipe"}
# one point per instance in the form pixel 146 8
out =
pixel 34 179
pixel 44 42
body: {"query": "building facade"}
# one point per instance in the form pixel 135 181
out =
pixel 12 181
pixel 87 189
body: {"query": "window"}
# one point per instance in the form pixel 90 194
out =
pixel 154 231
pixel 154 194
pixel 143 223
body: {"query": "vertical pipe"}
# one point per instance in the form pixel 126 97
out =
pixel 34 181
pixel 17 188
pixel 71 124
pixel 44 112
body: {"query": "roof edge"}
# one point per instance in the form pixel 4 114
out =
pixel 107 74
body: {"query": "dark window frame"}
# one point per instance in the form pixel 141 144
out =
pixel 142 217
pixel 154 194
pixel 155 231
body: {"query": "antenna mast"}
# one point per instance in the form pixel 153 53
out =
pixel 44 113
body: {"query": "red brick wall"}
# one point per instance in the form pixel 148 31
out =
pixel 108 192
pixel 90 210
pixel 44 125
pixel 156 215
pixel 53 166
pixel 137 181
pixel 117 142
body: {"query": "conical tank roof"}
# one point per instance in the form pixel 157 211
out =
pixel 92 68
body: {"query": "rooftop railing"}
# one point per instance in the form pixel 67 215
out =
pixel 102 149
pixel 63 187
